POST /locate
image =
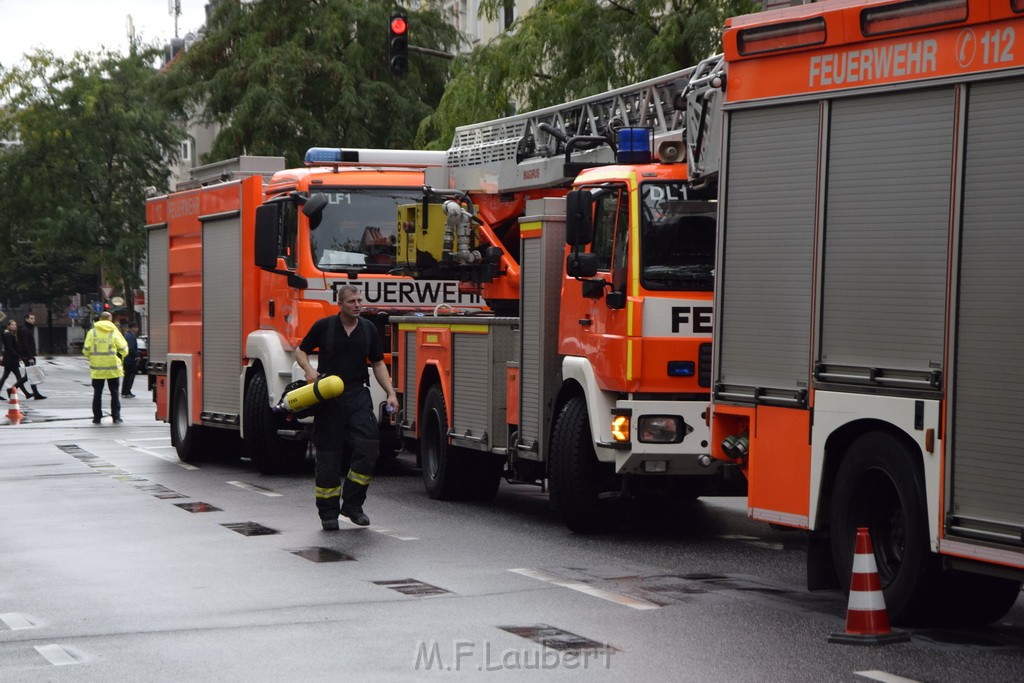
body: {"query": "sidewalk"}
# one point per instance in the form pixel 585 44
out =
pixel 68 391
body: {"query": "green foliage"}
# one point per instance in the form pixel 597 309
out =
pixel 281 76
pixel 567 49
pixel 72 194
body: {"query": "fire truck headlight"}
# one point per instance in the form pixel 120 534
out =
pixel 661 429
pixel 620 428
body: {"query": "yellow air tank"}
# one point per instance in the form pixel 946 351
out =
pixel 323 389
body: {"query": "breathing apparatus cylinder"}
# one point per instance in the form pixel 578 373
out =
pixel 309 395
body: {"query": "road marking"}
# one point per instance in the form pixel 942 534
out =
pixel 394 534
pixel 56 655
pixel 256 489
pixel 884 677
pixel 16 621
pixel 169 458
pixel 153 438
pixel 618 598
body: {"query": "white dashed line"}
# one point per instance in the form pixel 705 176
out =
pixel 618 598
pixel 394 534
pixel 169 458
pixel 884 677
pixel 56 655
pixel 255 489
pixel 16 621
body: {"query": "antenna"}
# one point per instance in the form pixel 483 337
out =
pixel 174 9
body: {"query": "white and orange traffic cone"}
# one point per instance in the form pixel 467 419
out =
pixel 867 621
pixel 14 414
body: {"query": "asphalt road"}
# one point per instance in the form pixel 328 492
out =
pixel 118 562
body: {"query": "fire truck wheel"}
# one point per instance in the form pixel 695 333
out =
pixel 190 440
pixel 878 486
pixel 268 451
pixel 574 472
pixel 441 463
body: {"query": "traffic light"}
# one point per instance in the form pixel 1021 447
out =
pixel 106 306
pixel 398 44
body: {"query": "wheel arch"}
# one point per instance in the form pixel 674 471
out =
pixel 430 377
pixel 837 445
pixel 579 379
pixel 180 364
pixel 255 367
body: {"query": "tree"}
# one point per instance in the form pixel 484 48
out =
pixel 72 194
pixel 587 47
pixel 281 76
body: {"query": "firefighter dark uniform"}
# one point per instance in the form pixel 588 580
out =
pixel 345 429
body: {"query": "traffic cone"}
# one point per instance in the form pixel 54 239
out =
pixel 867 622
pixel 14 414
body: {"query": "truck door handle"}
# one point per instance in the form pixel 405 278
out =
pixel 586 322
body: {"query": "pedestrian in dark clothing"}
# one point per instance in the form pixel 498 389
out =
pixel 27 346
pixel 12 356
pixel 131 361
pixel 345 428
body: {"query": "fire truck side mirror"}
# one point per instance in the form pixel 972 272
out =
pixel 268 218
pixel 579 264
pixel 579 218
pixel 313 208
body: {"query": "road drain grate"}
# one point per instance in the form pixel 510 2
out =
pixel 555 638
pixel 250 529
pixel 159 491
pixel 318 554
pixel 197 507
pixel 103 467
pixel 412 587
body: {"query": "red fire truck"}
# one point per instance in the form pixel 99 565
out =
pixel 592 372
pixel 868 356
pixel 242 259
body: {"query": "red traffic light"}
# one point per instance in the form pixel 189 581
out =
pixel 398 44
pixel 106 307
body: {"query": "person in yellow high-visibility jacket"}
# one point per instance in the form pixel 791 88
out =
pixel 105 348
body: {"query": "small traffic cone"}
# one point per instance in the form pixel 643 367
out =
pixel 867 622
pixel 14 414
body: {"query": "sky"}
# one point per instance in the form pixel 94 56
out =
pixel 64 26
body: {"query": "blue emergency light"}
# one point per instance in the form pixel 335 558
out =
pixel 634 146
pixel 331 155
pixel 681 368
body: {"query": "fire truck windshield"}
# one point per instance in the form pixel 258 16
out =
pixel 677 238
pixel 358 228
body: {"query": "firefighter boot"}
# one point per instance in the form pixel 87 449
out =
pixel 364 459
pixel 328 488
pixel 355 495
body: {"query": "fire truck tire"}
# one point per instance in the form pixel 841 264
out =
pixel 878 486
pixel 573 471
pixel 441 463
pixel 266 449
pixel 190 440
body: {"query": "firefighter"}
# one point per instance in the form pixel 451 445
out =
pixel 105 348
pixel 345 428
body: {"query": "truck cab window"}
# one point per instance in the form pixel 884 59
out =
pixel 611 232
pixel 678 239
pixel 288 235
